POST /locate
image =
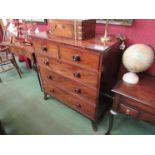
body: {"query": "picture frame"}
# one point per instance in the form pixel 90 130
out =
pixel 40 21
pixel 123 22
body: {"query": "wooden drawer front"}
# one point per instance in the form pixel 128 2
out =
pixel 70 100
pixel 37 44
pixel 128 111
pixel 71 86
pixel 46 47
pixel 70 71
pixel 82 57
pixel 147 117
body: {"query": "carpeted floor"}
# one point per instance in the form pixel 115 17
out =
pixel 23 111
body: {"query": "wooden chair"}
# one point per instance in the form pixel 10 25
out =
pixel 7 59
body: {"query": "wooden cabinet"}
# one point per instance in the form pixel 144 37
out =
pixel 73 29
pixel 75 72
pixel 136 101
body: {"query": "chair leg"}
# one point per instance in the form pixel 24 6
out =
pixel 13 61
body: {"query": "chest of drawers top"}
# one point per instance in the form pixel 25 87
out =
pixel 93 44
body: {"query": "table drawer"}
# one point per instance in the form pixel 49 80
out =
pixel 70 100
pixel 128 111
pixel 46 47
pixel 81 57
pixel 89 94
pixel 147 117
pixel 70 71
pixel 17 51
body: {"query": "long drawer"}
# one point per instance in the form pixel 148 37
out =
pixel 80 56
pixel 70 100
pixel 68 70
pixel 81 91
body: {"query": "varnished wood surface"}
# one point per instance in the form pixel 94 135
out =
pixel 72 101
pixel 77 69
pixel 87 93
pixel 71 71
pixel 20 49
pixel 93 44
pixel 73 29
pixel 143 92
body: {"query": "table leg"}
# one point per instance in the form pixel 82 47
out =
pixel 111 120
pixel 94 126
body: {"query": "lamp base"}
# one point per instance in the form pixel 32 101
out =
pixel 105 39
pixel 131 78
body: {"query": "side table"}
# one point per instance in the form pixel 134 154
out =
pixel 137 101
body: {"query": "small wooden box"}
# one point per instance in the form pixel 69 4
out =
pixel 73 29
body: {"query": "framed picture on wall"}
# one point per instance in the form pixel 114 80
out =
pixel 40 21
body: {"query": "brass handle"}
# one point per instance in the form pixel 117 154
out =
pixel 78 105
pixel 44 48
pixel 46 62
pixel 77 90
pixel 77 75
pixel 49 77
pixel 76 58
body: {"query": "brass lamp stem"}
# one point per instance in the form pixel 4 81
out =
pixel 106 38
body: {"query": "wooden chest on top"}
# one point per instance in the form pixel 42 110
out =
pixel 78 73
pixel 73 29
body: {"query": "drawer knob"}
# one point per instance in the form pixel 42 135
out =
pixel 49 77
pixel 78 105
pixel 46 62
pixel 44 48
pixel 76 58
pixel 77 90
pixel 77 74
pixel 52 91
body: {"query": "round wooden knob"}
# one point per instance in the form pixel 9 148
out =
pixel 77 74
pixel 78 105
pixel 44 48
pixel 49 77
pixel 76 58
pixel 46 62
pixel 52 91
pixel 77 90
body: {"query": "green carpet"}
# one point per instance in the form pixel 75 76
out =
pixel 23 111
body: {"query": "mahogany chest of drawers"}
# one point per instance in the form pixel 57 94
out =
pixel 136 101
pixel 78 73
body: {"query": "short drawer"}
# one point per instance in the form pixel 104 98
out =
pixel 128 111
pixel 81 91
pixel 80 56
pixel 46 47
pixel 75 73
pixel 72 101
pixel 147 117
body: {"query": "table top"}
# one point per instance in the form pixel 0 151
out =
pixel 90 44
pixel 143 92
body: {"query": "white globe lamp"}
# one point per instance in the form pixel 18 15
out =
pixel 137 58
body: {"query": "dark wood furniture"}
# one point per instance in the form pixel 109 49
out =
pixel 25 50
pixel 78 73
pixel 2 131
pixel 137 101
